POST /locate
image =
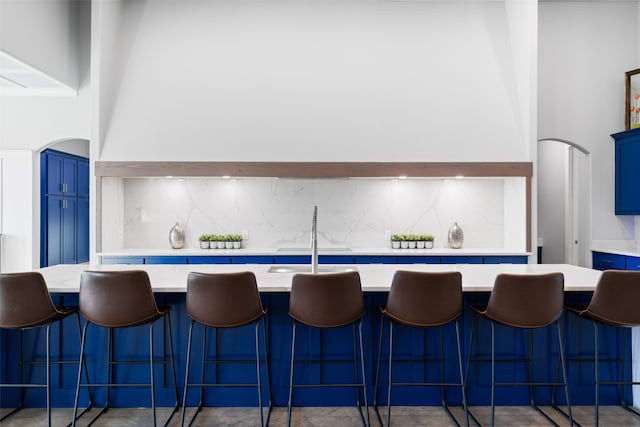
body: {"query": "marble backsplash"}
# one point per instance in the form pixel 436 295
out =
pixel 276 212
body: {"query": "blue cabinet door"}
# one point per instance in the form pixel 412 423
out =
pixel 461 260
pixel 69 231
pixel 69 176
pixel 165 260
pixel 633 263
pixel 505 260
pixel 52 166
pixel 627 174
pixel 83 178
pixel 606 261
pixel 53 230
pixel 209 260
pixel 83 229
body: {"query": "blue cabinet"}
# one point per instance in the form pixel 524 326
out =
pixel 606 261
pixel 633 263
pixel 64 205
pixel 627 174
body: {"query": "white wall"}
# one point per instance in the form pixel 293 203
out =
pixel 353 81
pixel 16 211
pixel 31 122
pixel 139 212
pixel 584 50
pixel 42 33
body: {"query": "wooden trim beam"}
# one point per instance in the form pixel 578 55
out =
pixel 313 169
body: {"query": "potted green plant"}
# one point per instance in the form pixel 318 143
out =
pixel 395 241
pixel 228 243
pixel 428 241
pixel 204 241
pixel 412 238
pixel 404 241
pixel 237 240
pixel 216 242
pixel 420 241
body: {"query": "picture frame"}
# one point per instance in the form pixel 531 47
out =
pixel 632 99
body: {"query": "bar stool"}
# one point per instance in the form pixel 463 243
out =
pixel 524 301
pixel 422 300
pixel 329 301
pixel 25 303
pixel 121 299
pixel 225 301
pixel 615 302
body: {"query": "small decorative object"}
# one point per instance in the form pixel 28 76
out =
pixel 237 240
pixel 404 243
pixel 455 236
pixel 428 241
pixel 420 241
pixel 220 241
pixel 228 244
pixel 204 241
pixel 176 236
pixel 395 241
pixel 412 241
pixel 632 99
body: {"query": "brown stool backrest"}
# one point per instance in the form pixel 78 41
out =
pixel 117 298
pixel 223 300
pixel 425 299
pixel 527 300
pixel 25 300
pixel 326 300
pixel 616 299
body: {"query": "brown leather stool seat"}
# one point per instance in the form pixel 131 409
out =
pixel 615 303
pixel 329 301
pixel 524 301
pixel 122 299
pixel 422 300
pixel 224 301
pixel 25 303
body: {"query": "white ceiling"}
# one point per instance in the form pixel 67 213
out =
pixel 20 79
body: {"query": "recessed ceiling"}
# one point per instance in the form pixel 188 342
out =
pixel 20 79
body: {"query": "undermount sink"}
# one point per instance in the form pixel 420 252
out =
pixel 324 249
pixel 307 269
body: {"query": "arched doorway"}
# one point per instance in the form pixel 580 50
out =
pixel 564 216
pixel 64 202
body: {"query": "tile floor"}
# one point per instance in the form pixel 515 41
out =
pixel 610 416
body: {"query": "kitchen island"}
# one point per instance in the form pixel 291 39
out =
pixel 169 284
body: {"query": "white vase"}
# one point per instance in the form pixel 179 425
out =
pixel 428 244
pixel 412 244
pixel 237 245
pixel 204 244
pixel 420 244
pixel 228 245
pixel 221 245
pixel 395 244
pixel 404 244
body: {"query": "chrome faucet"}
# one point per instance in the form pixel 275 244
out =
pixel 314 241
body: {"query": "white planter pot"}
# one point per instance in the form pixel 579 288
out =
pixel 420 244
pixel 404 245
pixel 237 245
pixel 228 245
pixel 220 245
pixel 204 244
pixel 395 244
pixel 428 244
pixel 412 244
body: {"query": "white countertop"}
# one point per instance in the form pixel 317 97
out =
pixel 322 251
pixel 374 277
pixel 618 247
